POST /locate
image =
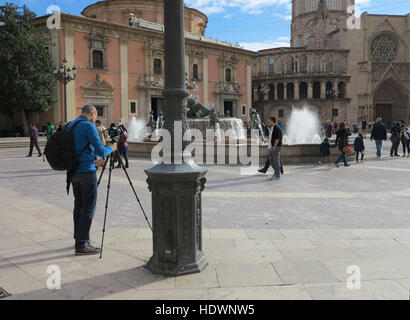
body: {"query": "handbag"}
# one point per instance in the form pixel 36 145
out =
pixel 347 149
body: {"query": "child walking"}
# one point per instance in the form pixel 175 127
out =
pixel 325 151
pixel 359 147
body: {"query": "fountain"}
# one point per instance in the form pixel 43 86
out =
pixel 137 130
pixel 303 128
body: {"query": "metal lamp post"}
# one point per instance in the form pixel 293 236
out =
pixel 66 75
pixel 176 186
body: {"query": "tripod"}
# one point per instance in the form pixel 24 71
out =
pixel 111 161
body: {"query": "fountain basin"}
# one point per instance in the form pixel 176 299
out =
pixel 290 154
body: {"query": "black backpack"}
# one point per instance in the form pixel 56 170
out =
pixel 60 151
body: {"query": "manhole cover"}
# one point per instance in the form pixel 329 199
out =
pixel 4 293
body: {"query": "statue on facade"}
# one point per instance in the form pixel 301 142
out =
pixel 151 122
pixel 228 114
pixel 196 110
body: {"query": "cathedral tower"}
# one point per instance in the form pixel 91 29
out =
pixel 319 23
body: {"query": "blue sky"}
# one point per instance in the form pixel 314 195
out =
pixel 254 24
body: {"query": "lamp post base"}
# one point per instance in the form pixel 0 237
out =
pixel 177 269
pixel 177 218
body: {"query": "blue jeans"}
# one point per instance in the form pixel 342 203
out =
pixel 379 147
pixel 342 157
pixel 123 152
pixel 85 194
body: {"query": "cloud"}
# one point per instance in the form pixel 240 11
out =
pixel 256 46
pixel 246 6
pixel 286 18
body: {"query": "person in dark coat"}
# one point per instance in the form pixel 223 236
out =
pixel 379 133
pixel 325 151
pixel 395 139
pixel 342 141
pixel 359 147
pixel 34 141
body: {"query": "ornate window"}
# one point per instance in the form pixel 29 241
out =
pixel 97 51
pixel 195 71
pixel 98 59
pixel 384 49
pixel 157 66
pixel 228 75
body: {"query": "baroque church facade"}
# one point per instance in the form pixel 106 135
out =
pixel 343 68
pixel 117 47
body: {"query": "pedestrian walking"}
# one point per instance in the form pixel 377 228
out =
pixel 88 145
pixel 395 139
pixel 34 141
pixel 50 131
pixel 342 141
pixel 379 134
pixel 359 147
pixel 274 146
pixel 405 140
pixel 123 146
pixel 364 128
pixel 325 151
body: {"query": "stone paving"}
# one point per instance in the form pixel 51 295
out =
pixel 288 239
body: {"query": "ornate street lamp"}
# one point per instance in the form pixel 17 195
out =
pixel 66 75
pixel 176 185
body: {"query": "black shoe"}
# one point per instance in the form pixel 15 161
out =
pixel 262 171
pixel 126 166
pixel 281 171
pixel 29 156
pixel 40 155
pixel 118 167
pixel 86 249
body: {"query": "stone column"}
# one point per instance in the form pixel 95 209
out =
pixel 176 185
pixel 285 91
pixel 296 84
pixel 125 109
pixel 322 90
pixel 310 90
pixel 205 81
pixel 69 55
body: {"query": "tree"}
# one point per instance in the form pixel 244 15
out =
pixel 26 69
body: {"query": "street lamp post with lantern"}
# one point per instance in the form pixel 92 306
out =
pixel 66 75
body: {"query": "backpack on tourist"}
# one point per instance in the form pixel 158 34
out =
pixel 60 151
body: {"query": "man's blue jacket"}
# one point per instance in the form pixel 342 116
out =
pixel 86 134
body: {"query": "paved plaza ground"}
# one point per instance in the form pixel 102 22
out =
pixel 288 239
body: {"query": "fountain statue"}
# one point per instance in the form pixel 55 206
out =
pixel 196 110
pixel 256 123
pixel 151 122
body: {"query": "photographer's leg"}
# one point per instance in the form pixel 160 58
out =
pixel 89 200
pixel 78 202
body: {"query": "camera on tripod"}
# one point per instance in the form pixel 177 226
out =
pixel 114 132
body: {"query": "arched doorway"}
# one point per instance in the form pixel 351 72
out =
pixel 391 102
